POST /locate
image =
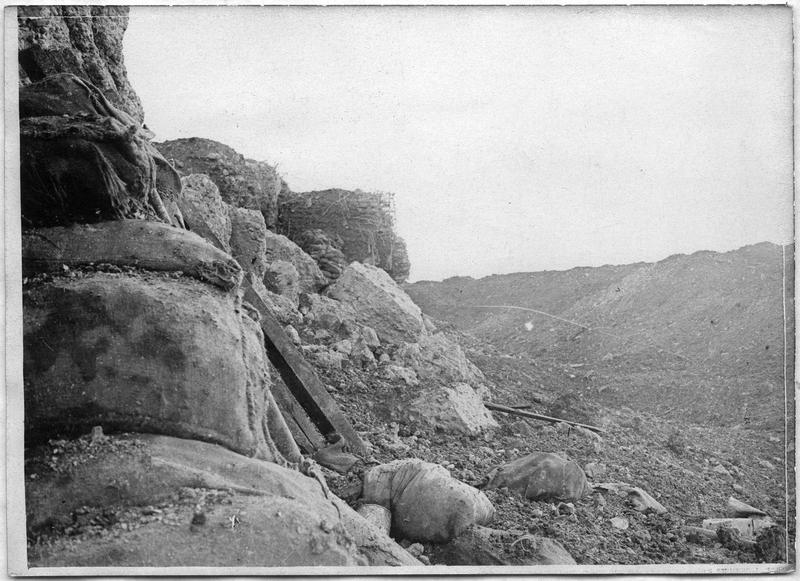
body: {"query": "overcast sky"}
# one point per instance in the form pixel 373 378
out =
pixel 515 139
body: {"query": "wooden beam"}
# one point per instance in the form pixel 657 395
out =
pixel 517 412
pixel 303 430
pixel 301 379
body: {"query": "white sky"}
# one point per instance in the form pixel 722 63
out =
pixel 515 139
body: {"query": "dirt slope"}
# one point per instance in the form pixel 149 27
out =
pixel 701 333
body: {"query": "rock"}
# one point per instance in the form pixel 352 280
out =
pixel 362 222
pixel 84 161
pixel 83 40
pixel 541 476
pixel 595 470
pixel 362 356
pixel 325 251
pixel 620 523
pixel 325 313
pixel 379 303
pixel 720 469
pixel 293 335
pixel 171 356
pixel 280 515
pixel 248 240
pixel 766 464
pixel 427 504
pixel 480 545
pixel 203 210
pixel 737 508
pixel 324 357
pixel 242 182
pixel 643 502
pixel 457 409
pixel 281 278
pixel 370 337
pixel 396 372
pixel 565 508
pixel 279 247
pixel 437 358
pixel 738 488
pixel 133 243
pixel 345 346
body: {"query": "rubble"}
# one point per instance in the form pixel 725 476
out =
pixel 280 248
pixel 203 210
pixel 435 357
pixel 457 409
pixel 379 303
pixel 242 182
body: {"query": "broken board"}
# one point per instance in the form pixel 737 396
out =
pixel 302 382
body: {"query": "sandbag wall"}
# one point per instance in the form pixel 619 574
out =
pixel 361 223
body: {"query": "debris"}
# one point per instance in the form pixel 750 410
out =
pixel 771 545
pixel 720 469
pixel 97 435
pixel 748 527
pixel 565 508
pixel 620 523
pixel 643 502
pixel 737 508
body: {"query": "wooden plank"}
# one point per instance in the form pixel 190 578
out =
pixel 303 430
pixel 524 414
pixel 301 379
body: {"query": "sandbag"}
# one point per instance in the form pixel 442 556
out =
pixel 282 517
pixel 85 161
pixel 427 504
pixel 542 476
pixel 139 243
pixel 147 353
